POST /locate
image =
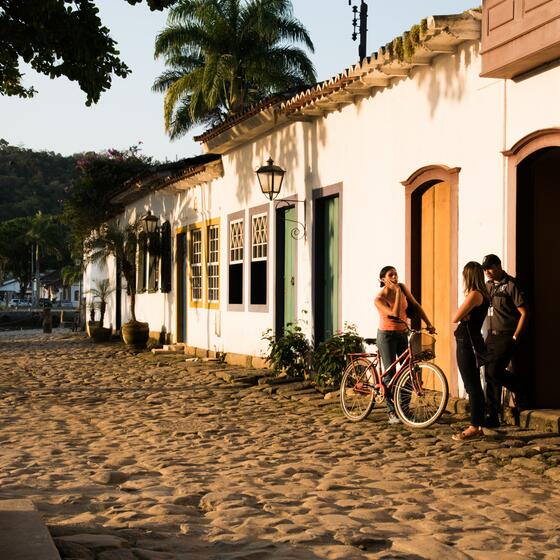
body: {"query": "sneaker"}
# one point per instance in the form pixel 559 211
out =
pixel 393 419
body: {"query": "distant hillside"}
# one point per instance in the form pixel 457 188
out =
pixel 31 181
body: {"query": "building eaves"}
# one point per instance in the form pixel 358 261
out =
pixel 190 170
pixel 434 36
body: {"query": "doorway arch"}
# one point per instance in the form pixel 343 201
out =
pixel 431 195
pixel 533 198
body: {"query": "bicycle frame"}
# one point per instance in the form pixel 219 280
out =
pixel 406 359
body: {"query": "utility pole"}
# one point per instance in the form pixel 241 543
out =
pixel 360 27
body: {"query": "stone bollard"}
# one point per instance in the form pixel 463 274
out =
pixel 47 320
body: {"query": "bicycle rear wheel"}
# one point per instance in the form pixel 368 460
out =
pixel 357 394
pixel 421 398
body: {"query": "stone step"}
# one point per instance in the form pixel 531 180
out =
pixel 23 535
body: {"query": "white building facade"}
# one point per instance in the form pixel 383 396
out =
pixel 412 160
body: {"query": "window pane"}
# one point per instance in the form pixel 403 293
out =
pixel 196 265
pixel 213 263
pixel 259 237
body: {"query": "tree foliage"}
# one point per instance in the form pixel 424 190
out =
pixel 33 181
pixel 45 235
pixel 100 176
pixel 59 38
pixel 223 55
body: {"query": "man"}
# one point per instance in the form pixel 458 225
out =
pixel 506 322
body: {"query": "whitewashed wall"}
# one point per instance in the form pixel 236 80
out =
pixel 443 114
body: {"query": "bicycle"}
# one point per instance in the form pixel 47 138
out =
pixel 419 388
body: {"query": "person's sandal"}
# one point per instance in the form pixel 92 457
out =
pixel 464 436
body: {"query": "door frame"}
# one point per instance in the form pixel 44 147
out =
pixel 278 272
pixel 181 280
pixel 421 179
pixel 522 149
pixel 316 195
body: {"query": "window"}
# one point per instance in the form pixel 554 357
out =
pixel 236 254
pixel 212 265
pixel 196 265
pixel 259 257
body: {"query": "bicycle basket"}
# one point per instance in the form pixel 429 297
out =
pixel 423 346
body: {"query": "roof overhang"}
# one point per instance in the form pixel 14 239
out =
pixel 437 35
pixel 174 177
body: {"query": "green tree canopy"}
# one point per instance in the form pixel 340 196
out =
pixel 223 55
pixel 59 38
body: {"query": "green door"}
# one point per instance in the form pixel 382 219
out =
pixel 327 246
pixel 286 269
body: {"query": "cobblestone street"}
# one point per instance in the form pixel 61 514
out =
pixel 135 456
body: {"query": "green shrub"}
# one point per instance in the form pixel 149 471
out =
pixel 289 352
pixel 329 358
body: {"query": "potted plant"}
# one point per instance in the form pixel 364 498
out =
pixel 101 291
pixel 288 352
pixel 91 306
pixel 114 241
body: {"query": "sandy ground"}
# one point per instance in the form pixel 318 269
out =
pixel 131 456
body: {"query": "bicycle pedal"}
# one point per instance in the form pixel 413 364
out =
pixel 379 398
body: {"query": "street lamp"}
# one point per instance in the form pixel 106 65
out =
pixel 150 222
pixel 270 179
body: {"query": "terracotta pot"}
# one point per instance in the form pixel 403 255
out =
pixel 135 334
pixel 100 334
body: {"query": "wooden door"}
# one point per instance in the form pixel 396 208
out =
pixel 435 268
pixel 181 287
pixel 327 247
pixel 286 269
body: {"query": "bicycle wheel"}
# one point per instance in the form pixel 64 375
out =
pixel 357 395
pixel 420 399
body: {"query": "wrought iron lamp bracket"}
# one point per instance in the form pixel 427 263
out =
pixel 299 230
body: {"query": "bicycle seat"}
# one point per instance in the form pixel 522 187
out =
pixel 370 340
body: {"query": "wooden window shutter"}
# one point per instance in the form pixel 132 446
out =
pixel 166 257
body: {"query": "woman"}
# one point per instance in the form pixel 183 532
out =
pixel 392 301
pixel 470 317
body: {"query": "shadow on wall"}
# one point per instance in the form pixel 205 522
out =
pixel 295 145
pixel 450 85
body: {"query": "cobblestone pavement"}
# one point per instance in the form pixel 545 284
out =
pixel 146 457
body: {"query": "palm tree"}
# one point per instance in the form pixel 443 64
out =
pixel 120 243
pixel 44 234
pixel 223 55
pixel 102 290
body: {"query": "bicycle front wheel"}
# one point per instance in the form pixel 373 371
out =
pixel 357 394
pixel 421 396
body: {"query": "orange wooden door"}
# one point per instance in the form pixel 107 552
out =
pixel 436 268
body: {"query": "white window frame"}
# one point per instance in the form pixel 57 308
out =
pixel 196 265
pixel 213 263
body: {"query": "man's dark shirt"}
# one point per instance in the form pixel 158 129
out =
pixel 505 298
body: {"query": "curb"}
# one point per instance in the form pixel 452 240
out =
pixel 542 420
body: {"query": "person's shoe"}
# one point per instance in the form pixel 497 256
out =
pixel 393 419
pixel 468 435
pixel 491 421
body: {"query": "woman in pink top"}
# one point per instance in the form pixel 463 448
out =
pixel 393 300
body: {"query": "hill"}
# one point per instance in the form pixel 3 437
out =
pixel 31 181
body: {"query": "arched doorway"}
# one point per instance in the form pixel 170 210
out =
pixel 535 249
pixel 431 254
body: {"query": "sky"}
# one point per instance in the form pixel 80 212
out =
pixel 57 119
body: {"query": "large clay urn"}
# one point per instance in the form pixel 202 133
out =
pixel 135 334
pixel 100 334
